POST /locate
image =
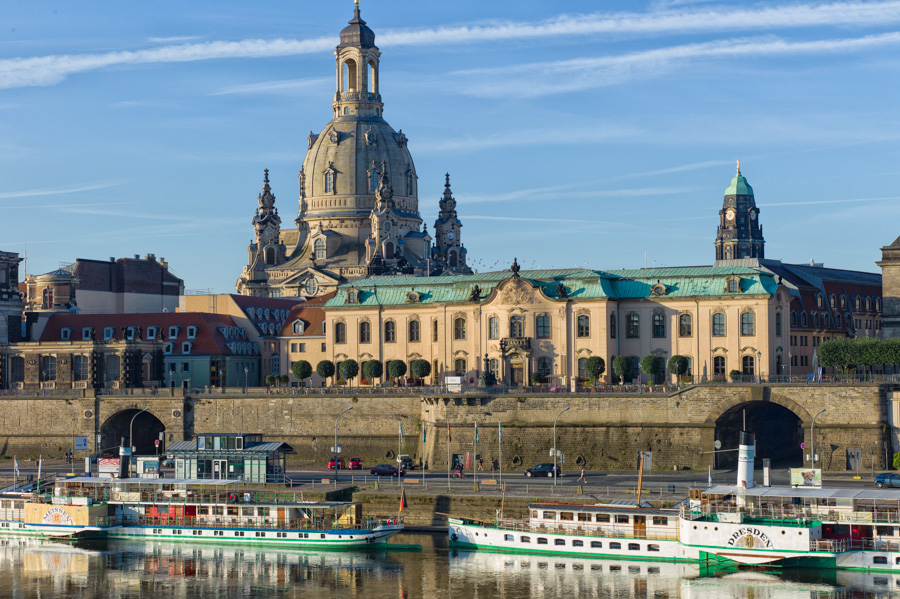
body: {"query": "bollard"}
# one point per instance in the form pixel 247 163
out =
pixel 675 467
pixel 476 487
pixel 580 490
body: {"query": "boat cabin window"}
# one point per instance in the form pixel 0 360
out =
pixel 202 510
pixel 652 547
pixel 263 511
pixel 660 521
pixel 577 543
pixel 567 516
pixel 596 545
pixel 162 509
pixel 6 504
pixel 602 517
pixel 621 518
pixel 582 517
pixel 535 514
pixel 525 539
pixel 549 515
pixel 615 545
pixel 879 559
pixel 559 542
pixel 246 511
pixel 217 510
pixel 542 541
pixel 19 505
pixel 508 538
pixel 884 531
pixel 232 511
pixel 634 547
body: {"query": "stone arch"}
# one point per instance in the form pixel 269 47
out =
pixel 147 428
pixel 723 406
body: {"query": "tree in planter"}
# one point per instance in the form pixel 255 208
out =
pixel 373 369
pixel 678 366
pixel 650 365
pixel 271 380
pixel 420 368
pixel 594 367
pixel 325 369
pixel 349 369
pixel 396 369
pixel 301 370
pixel 283 379
pixel 536 378
pixel 735 375
pixel 623 367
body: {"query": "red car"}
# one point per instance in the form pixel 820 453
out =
pixel 338 461
pixel 355 464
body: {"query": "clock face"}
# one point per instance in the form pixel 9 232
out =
pixel 730 215
pixel 753 215
pixel 451 236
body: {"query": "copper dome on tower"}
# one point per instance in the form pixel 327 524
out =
pixel 356 33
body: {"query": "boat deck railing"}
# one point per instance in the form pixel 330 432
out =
pixel 100 495
pixel 508 524
pixel 843 545
pixel 317 524
pixel 793 515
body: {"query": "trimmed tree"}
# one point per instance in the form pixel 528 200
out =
pixel 283 379
pixel 678 365
pixel 420 368
pixel 396 369
pixel 271 379
pixel 536 378
pixel 373 369
pixel 325 369
pixel 650 365
pixel 349 369
pixel 301 370
pixel 594 367
pixel 623 367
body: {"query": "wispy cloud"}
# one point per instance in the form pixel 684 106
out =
pixel 52 191
pixel 52 69
pixel 559 194
pixel 276 86
pixel 523 137
pixel 173 39
pixel 819 202
pixel 547 78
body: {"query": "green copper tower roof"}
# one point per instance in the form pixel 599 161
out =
pixel 739 185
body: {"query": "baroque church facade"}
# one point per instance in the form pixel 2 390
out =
pixel 358 203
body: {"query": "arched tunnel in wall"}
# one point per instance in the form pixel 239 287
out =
pixel 778 433
pixel 146 427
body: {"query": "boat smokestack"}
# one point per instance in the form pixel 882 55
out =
pixel 746 455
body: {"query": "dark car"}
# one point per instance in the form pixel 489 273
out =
pixel 355 464
pixel 543 470
pixel 407 464
pixel 887 479
pixel 386 470
pixel 167 463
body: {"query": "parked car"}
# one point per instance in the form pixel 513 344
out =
pixel 386 470
pixel 355 464
pixel 167 463
pixel 887 479
pixel 543 470
pixel 336 460
pixel 406 463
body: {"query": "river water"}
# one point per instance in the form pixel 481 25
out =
pixel 416 566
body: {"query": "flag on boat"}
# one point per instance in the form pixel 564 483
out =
pixel 423 434
pixel 476 433
pixel 401 432
pixel 41 463
pixel 16 466
pixel 403 504
pixel 500 426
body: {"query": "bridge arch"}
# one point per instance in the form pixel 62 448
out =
pixel 147 428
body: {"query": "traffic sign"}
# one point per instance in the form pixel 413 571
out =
pixel 717 444
pixel 803 446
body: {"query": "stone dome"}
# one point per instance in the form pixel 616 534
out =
pixel 356 33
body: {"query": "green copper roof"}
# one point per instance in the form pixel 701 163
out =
pixel 694 281
pixel 739 186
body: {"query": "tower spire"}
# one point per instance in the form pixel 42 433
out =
pixel 739 167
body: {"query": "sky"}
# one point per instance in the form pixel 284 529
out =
pixel 580 133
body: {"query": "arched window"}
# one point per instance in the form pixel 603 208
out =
pixel 460 366
pixel 350 76
pixel 843 302
pixel 329 182
pixel 319 247
pixel 804 321
pixel 544 366
pixel 112 368
pixel 493 328
pixel 612 325
pixel 878 304
pixel 832 300
pixel 718 325
pixel 413 331
pixel 365 332
pixel 80 368
pixel 409 183
pixel 632 326
pixel 543 326
pixel 659 325
pixel 733 286
pixel 856 302
pixel 819 301
pixel 826 321
pixel 17 369
pixel 516 326
pixel 748 366
pixel 685 325
pixel 340 332
pixel 388 251
pixel 748 323
pixel 47 299
pixel 373 180
pixel 48 368
pixel 582 370
pixel 270 255
pixel 459 329
pixel 838 322
pixel 390 331
pixel 793 318
pixel 373 78
pixel 815 318
pixel 719 366
pixel 451 259
pixel 434 333
pixel 778 324
pixel 584 326
pixel 868 304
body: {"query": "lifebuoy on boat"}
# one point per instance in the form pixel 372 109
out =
pixel 453 537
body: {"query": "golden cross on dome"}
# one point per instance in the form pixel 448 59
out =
pixel 739 167
pixel 357 3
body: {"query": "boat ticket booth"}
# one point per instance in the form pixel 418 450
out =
pixel 233 456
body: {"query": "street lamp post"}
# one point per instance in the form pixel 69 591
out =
pixel 554 443
pixel 759 367
pixel 246 379
pixel 334 452
pixel 790 363
pixel 131 429
pixel 812 437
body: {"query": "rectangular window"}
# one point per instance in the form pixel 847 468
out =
pixel 542 541
pixel 634 547
pixel 718 325
pixel 596 545
pixel 632 326
pixel 577 543
pixel 525 539
pixel 582 517
pixel 191 332
pixel 293 347
pixel 543 326
pixel 567 516
pixel 601 518
pixel 621 518
pixel 173 332
pixel 66 334
pixel 508 538
pixel 549 515
pixel 246 511
pixel 660 521
pixel 615 545
pixel 748 326
pixel 559 541
pixel 185 367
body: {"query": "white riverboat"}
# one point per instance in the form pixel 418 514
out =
pixel 202 510
pixel 855 529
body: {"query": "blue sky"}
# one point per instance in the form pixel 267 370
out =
pixel 577 133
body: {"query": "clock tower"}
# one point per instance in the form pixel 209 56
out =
pixel 739 234
pixel 448 248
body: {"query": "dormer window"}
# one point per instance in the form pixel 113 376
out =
pixel 819 301
pixel 66 334
pixel 173 332
pixel 186 347
pixel 319 249
pixel 108 333
pixel 298 327
pixel 353 296
pixel 86 333
pixel 167 348
pixel 191 332
pixel 151 332
pixel 658 290
pixel 733 285
pixel 373 180
pixel 129 333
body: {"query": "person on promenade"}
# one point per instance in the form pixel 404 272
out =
pixel 582 477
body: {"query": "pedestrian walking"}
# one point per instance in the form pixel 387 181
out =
pixel 582 478
pixel 481 464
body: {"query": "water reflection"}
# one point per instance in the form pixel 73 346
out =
pixel 33 568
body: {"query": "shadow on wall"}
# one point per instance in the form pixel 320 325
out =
pixel 441 507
